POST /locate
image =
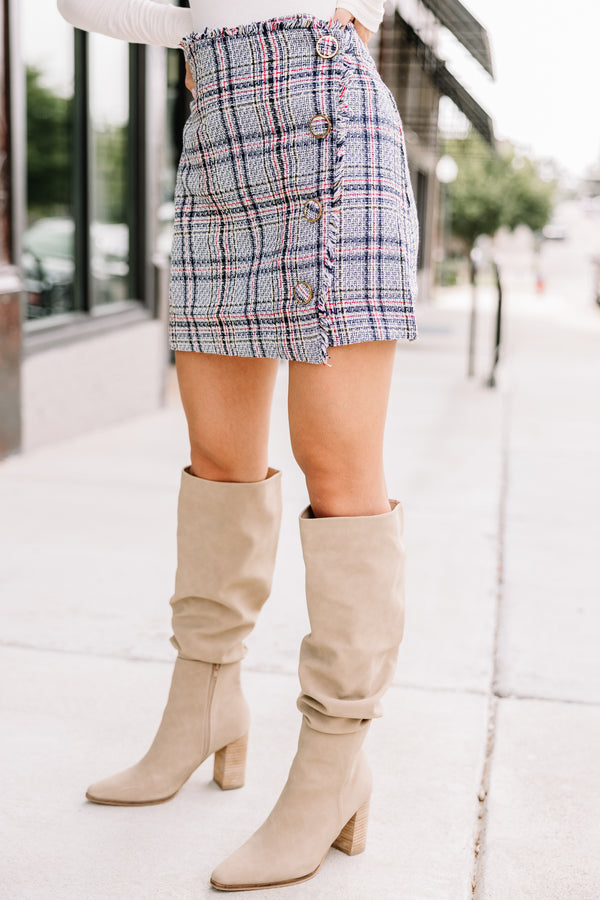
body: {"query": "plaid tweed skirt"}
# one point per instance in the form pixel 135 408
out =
pixel 295 222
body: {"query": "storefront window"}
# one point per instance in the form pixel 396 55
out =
pixel 5 242
pixel 177 110
pixel 109 141
pixel 48 240
pixel 84 241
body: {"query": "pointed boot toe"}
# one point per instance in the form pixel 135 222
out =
pixel 237 872
pixel 130 788
pixel 254 866
pixel 206 713
pixel 324 804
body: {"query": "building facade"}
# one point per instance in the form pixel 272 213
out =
pixel 89 150
pixel 406 50
pixel 90 132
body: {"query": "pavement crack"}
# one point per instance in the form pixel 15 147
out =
pixel 258 669
pixel 493 693
pixel 538 698
pixel 439 688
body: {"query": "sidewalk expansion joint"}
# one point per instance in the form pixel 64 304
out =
pixel 480 823
pixel 440 688
pixel 540 698
pixel 119 657
pixel 273 670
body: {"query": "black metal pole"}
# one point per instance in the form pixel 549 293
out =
pixel 136 177
pixel 491 382
pixel 81 171
pixel 473 317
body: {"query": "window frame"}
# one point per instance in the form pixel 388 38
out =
pixel 140 304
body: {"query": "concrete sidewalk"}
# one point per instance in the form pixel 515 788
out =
pixel 486 761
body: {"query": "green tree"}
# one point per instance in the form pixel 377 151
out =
pixel 49 148
pixel 50 140
pixel 493 189
pixel 529 200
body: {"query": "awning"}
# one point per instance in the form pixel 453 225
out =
pixel 465 28
pixel 448 84
pixel 467 104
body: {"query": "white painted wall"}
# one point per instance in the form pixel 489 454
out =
pixel 88 384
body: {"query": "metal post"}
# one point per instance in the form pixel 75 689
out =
pixel 473 317
pixel 81 174
pixel 491 382
pixel 137 175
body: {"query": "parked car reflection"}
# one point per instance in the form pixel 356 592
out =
pixel 48 267
pixel 555 230
pixel 49 264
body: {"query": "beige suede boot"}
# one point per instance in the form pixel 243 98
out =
pixel 355 596
pixel 227 535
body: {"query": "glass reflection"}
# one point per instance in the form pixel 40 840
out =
pixel 176 111
pixel 48 240
pixel 109 115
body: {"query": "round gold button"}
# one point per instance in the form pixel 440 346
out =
pixel 327 46
pixel 312 210
pixel 303 293
pixel 319 125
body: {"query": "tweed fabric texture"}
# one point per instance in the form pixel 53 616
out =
pixel 295 222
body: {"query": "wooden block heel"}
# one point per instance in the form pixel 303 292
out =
pixel 230 765
pixel 352 839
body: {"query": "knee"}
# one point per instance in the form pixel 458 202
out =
pixel 315 462
pixel 343 486
pixel 225 463
pixel 336 497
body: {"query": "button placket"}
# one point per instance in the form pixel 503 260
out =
pixel 312 210
pixel 318 122
pixel 303 293
pixel 327 46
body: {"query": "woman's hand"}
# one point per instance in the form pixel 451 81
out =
pixel 344 16
pixel 189 78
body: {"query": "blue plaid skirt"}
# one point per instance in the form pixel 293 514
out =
pixel 295 222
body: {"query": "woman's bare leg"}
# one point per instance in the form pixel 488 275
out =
pixel 227 404
pixel 337 420
pixel 354 562
pixel 226 543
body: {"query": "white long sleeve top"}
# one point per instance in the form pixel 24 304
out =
pixel 154 22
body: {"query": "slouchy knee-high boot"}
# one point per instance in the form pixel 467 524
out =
pixel 355 596
pixel 227 535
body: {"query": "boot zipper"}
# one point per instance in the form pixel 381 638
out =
pixel 211 690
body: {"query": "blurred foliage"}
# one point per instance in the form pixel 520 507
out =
pixel 451 270
pixel 50 162
pixel 49 148
pixel 495 189
pixel 110 174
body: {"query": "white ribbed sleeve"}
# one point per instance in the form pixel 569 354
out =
pixel 368 12
pixel 153 22
pixel 137 21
